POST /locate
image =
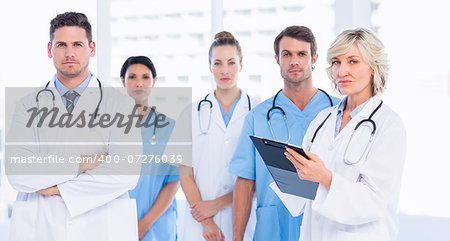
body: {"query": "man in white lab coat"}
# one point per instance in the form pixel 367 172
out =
pixel 72 200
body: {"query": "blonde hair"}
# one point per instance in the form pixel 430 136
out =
pixel 372 50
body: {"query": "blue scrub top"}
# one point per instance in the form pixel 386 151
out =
pixel 274 222
pixel 154 176
pixel 227 116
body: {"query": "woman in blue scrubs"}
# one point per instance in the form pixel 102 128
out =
pixel 159 182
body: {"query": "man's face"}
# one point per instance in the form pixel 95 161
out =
pixel 70 50
pixel 295 60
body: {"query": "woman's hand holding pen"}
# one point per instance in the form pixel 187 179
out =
pixel 313 169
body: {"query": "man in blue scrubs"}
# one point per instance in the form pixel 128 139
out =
pixel 295 53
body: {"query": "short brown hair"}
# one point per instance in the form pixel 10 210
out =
pixel 71 19
pixel 298 32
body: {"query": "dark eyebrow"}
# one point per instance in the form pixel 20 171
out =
pixel 298 52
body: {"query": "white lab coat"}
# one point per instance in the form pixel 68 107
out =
pixel 211 155
pixel 92 206
pixel 362 201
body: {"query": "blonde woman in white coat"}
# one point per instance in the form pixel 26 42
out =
pixel 359 174
pixel 217 121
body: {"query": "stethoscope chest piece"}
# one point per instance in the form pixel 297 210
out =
pixel 153 140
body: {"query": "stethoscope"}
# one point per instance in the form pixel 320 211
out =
pixel 368 120
pixel 46 89
pixel 205 100
pixel 154 140
pixel 274 107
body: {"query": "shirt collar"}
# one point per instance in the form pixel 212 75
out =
pixel 343 103
pixel 79 89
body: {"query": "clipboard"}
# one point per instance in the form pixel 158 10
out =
pixel 282 170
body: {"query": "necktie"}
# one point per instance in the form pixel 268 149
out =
pixel 70 99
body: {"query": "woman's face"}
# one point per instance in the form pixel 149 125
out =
pixel 353 75
pixel 225 66
pixel 138 81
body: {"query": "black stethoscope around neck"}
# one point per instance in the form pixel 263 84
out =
pixel 274 107
pixel 46 89
pixel 206 101
pixel 348 160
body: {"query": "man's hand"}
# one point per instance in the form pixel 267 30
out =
pixel 212 232
pixel 202 210
pixel 53 190
pixel 90 162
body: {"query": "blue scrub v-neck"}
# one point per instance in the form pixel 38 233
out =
pixel 227 116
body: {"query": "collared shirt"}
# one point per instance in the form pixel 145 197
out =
pixel 79 89
pixel 340 112
pixel 227 116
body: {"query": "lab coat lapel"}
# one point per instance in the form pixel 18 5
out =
pixel 216 114
pixel 241 108
pixel 89 98
pixel 58 99
pixel 331 123
pixel 363 114
pixel 45 100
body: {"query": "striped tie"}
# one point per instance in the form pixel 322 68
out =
pixel 70 95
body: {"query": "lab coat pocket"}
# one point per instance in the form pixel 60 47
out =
pixel 267 224
pixel 23 221
pixel 122 220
